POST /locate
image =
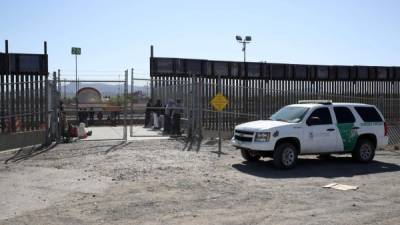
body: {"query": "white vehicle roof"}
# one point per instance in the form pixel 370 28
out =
pixel 312 105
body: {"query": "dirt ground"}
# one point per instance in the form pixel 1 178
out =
pixel 156 182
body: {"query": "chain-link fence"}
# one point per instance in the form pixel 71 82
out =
pixel 102 106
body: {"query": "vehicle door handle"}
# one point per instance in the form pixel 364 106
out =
pixel 355 128
pixel 330 129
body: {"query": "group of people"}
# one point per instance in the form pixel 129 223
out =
pixel 167 117
pixel 87 117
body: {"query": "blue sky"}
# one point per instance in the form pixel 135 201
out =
pixel 115 35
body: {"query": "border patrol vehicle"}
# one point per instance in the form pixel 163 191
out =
pixel 313 127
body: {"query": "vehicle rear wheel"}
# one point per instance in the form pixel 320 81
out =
pixel 364 151
pixel 249 156
pixel 285 156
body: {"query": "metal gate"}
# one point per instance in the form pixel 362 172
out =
pixel 178 103
pixel 104 114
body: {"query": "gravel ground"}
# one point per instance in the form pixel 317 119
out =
pixel 156 182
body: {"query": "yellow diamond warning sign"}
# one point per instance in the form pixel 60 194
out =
pixel 219 102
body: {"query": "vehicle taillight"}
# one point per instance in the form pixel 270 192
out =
pixel 386 128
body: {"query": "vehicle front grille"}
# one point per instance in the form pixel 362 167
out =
pixel 239 138
pixel 244 132
pixel 246 136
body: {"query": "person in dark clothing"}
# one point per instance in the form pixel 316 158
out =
pixel 147 114
pixel 168 116
pixel 61 106
pixel 80 115
pixel 65 126
pixel 100 115
pixel 114 117
pixel 157 109
pixel 91 116
pixel 85 116
pixel 176 118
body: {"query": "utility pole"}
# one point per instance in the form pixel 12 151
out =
pixel 76 89
pixel 245 41
pixel 76 51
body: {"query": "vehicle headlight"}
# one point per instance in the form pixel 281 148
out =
pixel 262 136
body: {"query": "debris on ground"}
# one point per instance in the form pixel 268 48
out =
pixel 342 187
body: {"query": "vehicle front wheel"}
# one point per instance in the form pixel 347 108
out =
pixel 248 156
pixel 364 151
pixel 285 156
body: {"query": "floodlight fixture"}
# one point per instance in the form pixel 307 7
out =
pixel 247 40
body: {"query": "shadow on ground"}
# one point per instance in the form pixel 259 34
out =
pixel 29 152
pixel 331 168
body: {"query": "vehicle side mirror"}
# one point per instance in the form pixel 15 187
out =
pixel 313 121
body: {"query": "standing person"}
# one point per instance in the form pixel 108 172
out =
pixel 168 116
pixel 147 114
pixel 100 115
pixel 113 118
pixel 65 134
pixel 157 108
pixel 85 116
pixel 80 116
pixel 176 118
pixel 91 116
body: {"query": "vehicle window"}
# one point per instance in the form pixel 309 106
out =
pixel 290 114
pixel 344 115
pixel 324 117
pixel 368 114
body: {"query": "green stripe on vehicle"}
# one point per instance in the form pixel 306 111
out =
pixel 349 136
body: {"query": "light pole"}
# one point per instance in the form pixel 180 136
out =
pixel 246 40
pixel 76 51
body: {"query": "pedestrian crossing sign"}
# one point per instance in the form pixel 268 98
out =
pixel 219 102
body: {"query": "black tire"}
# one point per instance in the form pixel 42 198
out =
pixel 248 156
pixel 285 156
pixel 364 151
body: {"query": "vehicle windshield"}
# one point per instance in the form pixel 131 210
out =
pixel 290 114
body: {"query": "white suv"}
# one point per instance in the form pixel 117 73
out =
pixel 313 127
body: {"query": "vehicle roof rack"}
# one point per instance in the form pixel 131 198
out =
pixel 323 102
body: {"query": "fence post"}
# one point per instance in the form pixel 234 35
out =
pixel 47 109
pixel 219 119
pixel 132 101
pixel 192 112
pixel 54 101
pixel 59 131
pixel 125 105
pixel 200 95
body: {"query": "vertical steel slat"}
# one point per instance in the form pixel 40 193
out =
pixel 28 102
pixel 2 100
pixel 41 99
pixel 33 102
pixel 17 102
pixel 12 103
pixel 22 102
